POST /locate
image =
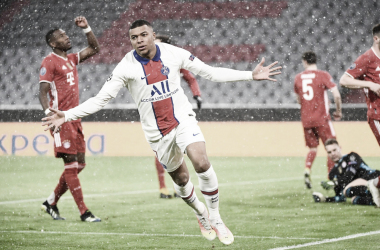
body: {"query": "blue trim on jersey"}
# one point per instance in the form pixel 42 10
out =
pixel 155 118
pixel 167 85
pixel 171 98
pixel 145 61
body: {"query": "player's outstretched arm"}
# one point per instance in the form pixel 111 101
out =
pixel 349 82
pixel 263 73
pixel 93 44
pixel 54 121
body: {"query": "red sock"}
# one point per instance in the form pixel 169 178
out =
pixel 330 164
pixel 310 158
pixel 62 187
pixel 160 173
pixel 72 180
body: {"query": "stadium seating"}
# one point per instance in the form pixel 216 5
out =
pixel 235 35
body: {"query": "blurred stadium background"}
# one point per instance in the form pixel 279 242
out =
pixel 222 33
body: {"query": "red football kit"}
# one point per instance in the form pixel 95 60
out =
pixel 62 75
pixel 367 68
pixel 311 87
pixel 191 81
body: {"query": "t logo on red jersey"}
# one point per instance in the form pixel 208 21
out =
pixel 70 78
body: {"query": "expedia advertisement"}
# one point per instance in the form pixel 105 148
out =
pixel 229 139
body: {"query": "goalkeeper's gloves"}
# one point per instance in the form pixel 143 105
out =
pixel 318 197
pixel 328 184
pixel 199 101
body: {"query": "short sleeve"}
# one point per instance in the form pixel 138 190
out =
pixel 359 67
pixel 74 57
pixel 47 70
pixel 329 81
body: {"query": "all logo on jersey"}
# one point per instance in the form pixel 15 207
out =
pixel 159 91
pixel 43 71
pixel 165 70
pixel 353 66
pixel 164 89
pixel 64 67
pixel 191 58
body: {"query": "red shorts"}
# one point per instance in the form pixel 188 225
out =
pixel 71 138
pixel 312 135
pixel 375 126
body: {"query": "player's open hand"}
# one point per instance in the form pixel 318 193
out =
pixel 263 73
pixel 81 22
pixel 54 121
pixel 327 185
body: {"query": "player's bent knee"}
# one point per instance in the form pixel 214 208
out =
pixel 181 179
pixel 202 166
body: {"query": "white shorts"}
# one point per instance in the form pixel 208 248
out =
pixel 170 148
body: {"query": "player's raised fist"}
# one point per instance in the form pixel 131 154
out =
pixel 81 22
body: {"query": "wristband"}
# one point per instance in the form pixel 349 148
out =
pixel 47 111
pixel 86 30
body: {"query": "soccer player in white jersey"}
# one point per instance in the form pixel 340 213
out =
pixel 151 72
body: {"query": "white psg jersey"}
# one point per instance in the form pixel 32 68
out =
pixel 155 87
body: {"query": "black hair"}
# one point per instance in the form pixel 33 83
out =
pixel 164 38
pixel 49 35
pixel 139 23
pixel 310 57
pixel 331 141
pixel 376 30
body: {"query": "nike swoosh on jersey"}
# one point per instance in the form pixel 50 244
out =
pixel 195 134
pixel 142 78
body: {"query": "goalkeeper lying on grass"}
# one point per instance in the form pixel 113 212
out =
pixel 349 177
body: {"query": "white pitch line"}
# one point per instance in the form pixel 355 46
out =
pixel 153 191
pixel 349 237
pixel 85 196
pixel 150 235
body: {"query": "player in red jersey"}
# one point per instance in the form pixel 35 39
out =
pixel 310 87
pixel 59 79
pixel 193 84
pixel 365 73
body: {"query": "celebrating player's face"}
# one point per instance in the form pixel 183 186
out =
pixel 333 152
pixel 61 40
pixel 142 39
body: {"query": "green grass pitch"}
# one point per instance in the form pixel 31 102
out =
pixel 262 200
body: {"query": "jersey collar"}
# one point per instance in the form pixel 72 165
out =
pixel 145 61
pixel 59 56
